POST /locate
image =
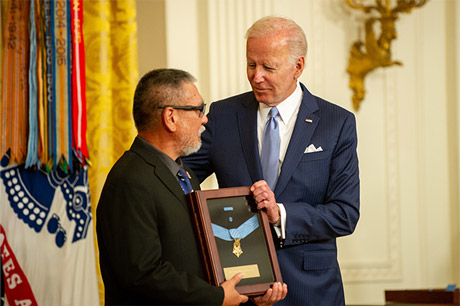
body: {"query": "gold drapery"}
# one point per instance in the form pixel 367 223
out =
pixel 110 33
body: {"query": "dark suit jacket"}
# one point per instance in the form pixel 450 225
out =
pixel 319 190
pixel 148 252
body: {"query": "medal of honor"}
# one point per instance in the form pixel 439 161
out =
pixel 237 248
pixel 236 234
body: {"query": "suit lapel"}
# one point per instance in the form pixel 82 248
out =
pixel 304 128
pixel 160 170
pixel 166 177
pixel 247 124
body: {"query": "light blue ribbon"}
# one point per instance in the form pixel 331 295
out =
pixel 32 151
pixel 240 232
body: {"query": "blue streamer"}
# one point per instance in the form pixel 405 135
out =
pixel 32 150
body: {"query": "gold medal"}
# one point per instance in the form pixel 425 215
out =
pixel 237 248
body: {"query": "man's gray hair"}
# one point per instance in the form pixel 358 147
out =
pixel 157 88
pixel 271 25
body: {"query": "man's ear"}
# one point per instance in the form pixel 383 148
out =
pixel 169 119
pixel 299 65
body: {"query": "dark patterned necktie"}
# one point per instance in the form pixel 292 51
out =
pixel 184 181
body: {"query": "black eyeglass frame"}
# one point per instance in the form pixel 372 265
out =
pixel 201 108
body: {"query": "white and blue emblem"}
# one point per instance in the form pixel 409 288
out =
pixel 31 193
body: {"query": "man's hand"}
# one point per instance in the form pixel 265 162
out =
pixel 231 296
pixel 272 295
pixel 265 199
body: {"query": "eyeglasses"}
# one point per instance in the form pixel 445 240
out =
pixel 201 108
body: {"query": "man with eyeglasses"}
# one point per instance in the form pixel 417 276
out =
pixel 148 251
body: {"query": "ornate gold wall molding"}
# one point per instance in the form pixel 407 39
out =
pixel 375 51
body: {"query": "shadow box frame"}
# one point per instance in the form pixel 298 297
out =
pixel 199 202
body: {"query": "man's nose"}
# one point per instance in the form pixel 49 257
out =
pixel 258 75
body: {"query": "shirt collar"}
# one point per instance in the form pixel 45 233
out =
pixel 287 107
pixel 172 165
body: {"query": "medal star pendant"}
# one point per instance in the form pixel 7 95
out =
pixel 237 248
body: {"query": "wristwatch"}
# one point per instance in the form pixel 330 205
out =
pixel 278 223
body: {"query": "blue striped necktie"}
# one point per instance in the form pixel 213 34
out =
pixel 271 149
pixel 184 181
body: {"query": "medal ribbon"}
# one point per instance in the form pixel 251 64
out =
pixel 240 232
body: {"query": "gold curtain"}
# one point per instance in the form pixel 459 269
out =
pixel 110 33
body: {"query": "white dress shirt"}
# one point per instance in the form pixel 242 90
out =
pixel 287 116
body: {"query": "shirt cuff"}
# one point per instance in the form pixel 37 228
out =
pixel 281 229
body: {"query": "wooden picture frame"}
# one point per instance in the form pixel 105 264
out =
pixel 220 218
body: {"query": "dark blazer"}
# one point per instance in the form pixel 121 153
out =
pixel 319 190
pixel 148 252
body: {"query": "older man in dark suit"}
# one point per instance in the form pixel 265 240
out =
pixel 297 151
